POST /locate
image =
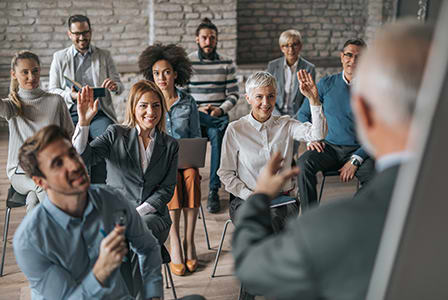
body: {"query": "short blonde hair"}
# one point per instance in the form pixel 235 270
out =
pixel 137 91
pixel 288 35
pixel 260 79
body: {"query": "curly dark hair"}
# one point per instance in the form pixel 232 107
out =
pixel 172 53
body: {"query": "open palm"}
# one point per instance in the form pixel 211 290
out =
pixel 306 85
pixel 87 107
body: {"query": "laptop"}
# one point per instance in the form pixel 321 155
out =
pixel 192 153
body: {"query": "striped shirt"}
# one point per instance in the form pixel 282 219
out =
pixel 213 82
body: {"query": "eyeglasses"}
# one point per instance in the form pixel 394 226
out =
pixel 78 34
pixel 293 46
pixel 349 56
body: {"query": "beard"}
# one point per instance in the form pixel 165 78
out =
pixel 210 55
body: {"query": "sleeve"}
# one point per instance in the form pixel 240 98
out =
pixel 231 89
pixel 7 109
pixel 315 130
pixel 80 138
pixel 165 190
pixel 54 84
pixel 51 280
pixel 195 127
pixel 66 121
pixel 229 166
pixel 304 113
pixel 146 246
pixel 360 152
pixel 100 148
pixel 114 75
pixel 277 266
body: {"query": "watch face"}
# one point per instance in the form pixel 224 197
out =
pixel 356 162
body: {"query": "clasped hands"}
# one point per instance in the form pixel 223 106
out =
pixel 211 110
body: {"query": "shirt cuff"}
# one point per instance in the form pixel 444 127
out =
pixel 145 209
pixel 359 158
pixel 80 138
pixel 92 287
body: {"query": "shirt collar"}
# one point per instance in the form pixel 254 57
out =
pixel 152 133
pixel 345 80
pixel 294 66
pixel 60 216
pixel 392 159
pixel 258 125
pixel 76 52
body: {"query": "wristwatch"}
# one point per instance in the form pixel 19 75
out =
pixel 355 162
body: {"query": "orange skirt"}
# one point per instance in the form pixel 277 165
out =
pixel 187 193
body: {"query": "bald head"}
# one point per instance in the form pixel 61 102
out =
pixel 391 70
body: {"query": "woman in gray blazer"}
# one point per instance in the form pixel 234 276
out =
pixel 141 158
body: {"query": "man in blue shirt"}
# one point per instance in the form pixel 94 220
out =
pixel 72 245
pixel 340 150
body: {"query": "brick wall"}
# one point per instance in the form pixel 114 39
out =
pixel 175 21
pixel 41 25
pixel 324 25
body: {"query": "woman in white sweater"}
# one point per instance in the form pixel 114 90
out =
pixel 27 109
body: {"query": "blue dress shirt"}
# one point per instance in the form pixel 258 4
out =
pixel 334 93
pixel 182 120
pixel 57 252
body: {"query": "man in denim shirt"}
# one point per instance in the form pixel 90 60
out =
pixel 72 245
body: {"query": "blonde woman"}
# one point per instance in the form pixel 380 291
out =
pixel 27 109
pixel 141 158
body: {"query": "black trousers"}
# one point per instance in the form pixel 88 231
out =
pixel 332 159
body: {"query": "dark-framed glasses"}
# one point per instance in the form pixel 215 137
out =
pixel 349 55
pixel 83 33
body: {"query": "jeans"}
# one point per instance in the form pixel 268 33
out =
pixel 215 128
pixel 98 126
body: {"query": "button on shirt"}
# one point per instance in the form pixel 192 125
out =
pixel 57 252
pixel 83 67
pixel 249 144
pixel 290 73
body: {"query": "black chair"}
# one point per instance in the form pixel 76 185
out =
pixel 327 174
pixel 166 259
pixel 14 199
pixel 201 215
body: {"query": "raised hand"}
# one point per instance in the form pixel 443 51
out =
pixel 307 87
pixel 87 107
pixel 270 181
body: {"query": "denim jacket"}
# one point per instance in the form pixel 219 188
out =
pixel 182 120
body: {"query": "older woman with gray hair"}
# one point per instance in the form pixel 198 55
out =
pixel 263 134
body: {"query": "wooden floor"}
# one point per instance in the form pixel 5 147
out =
pixel 14 286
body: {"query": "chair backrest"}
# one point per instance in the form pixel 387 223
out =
pixel 15 199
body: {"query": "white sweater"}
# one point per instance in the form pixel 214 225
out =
pixel 39 110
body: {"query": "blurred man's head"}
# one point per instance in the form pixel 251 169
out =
pixel 261 91
pixel 387 82
pixel 50 160
pixel 351 51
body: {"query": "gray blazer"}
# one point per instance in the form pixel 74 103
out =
pixel 275 67
pixel 119 147
pixel 102 67
pixel 327 253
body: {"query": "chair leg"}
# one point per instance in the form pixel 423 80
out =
pixel 170 278
pixel 165 267
pixel 5 238
pixel 241 291
pixel 220 247
pixel 205 227
pixel 321 189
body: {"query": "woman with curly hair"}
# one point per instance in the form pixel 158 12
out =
pixel 168 66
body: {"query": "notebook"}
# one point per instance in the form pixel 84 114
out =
pixel 192 153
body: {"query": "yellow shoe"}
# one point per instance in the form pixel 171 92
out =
pixel 177 269
pixel 192 265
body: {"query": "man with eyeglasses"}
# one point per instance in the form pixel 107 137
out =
pixel 88 65
pixel 284 69
pixel 340 150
